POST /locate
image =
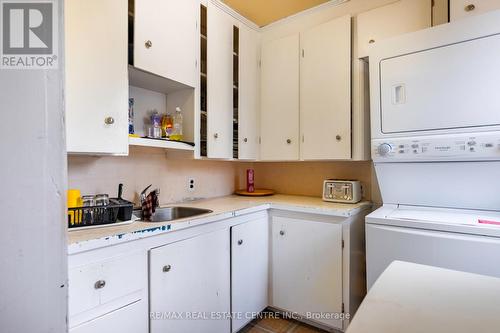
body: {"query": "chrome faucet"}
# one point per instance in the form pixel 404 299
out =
pixel 144 195
pixel 148 209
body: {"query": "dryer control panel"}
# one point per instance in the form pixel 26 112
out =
pixel 450 147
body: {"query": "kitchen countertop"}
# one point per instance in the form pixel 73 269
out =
pixel 414 298
pixel 223 207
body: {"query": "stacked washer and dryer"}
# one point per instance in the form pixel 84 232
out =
pixel 435 124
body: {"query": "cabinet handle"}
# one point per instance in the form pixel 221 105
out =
pixel 371 41
pixel 109 120
pixel 245 140
pixel 99 284
pixel 167 268
pixel 148 44
pixel 338 137
pixel 240 241
pixel 216 135
pixel 288 141
pixel 282 232
pixel 470 8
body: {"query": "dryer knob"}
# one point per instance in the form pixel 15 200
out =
pixel 384 149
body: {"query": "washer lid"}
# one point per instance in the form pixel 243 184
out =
pixel 479 222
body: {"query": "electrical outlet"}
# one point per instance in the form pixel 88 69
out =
pixel 191 185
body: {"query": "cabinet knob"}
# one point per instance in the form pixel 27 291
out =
pixel 470 8
pixel 109 120
pixel 99 284
pixel 245 140
pixel 148 44
pixel 240 241
pixel 167 268
pixel 282 232
pixel 216 135
pixel 288 141
pixel 338 137
pixel 371 41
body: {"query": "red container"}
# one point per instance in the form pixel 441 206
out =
pixel 250 180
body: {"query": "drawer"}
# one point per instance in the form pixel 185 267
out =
pixel 129 319
pixel 124 276
pixel 107 281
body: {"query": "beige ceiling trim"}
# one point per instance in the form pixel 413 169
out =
pixel 265 12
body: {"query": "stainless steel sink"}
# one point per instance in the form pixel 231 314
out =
pixel 175 213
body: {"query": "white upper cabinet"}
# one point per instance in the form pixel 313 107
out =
pixel 166 38
pixel 220 26
pixel 325 91
pixel 96 90
pixel 391 20
pixel 465 8
pixel 248 93
pixel 280 99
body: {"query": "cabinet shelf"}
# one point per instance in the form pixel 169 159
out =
pixel 146 80
pixel 145 142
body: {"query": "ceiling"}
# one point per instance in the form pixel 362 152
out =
pixel 263 12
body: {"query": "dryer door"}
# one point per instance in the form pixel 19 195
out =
pixel 468 253
pixel 453 86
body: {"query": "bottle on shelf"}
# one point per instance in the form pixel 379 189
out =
pixel 154 131
pixel 130 116
pixel 167 125
pixel 177 130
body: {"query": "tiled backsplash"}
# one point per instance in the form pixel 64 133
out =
pixel 146 166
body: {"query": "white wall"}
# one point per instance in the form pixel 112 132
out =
pixel 33 278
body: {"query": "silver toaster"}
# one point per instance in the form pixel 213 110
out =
pixel 346 191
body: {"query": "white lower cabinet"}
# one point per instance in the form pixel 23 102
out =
pixel 307 268
pixel 249 270
pixel 199 276
pixel 191 279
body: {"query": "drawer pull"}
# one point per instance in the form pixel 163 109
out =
pixel 167 268
pixel 288 141
pixel 240 241
pixel 282 233
pixel 148 44
pixel 100 284
pixel 470 8
pixel 109 120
